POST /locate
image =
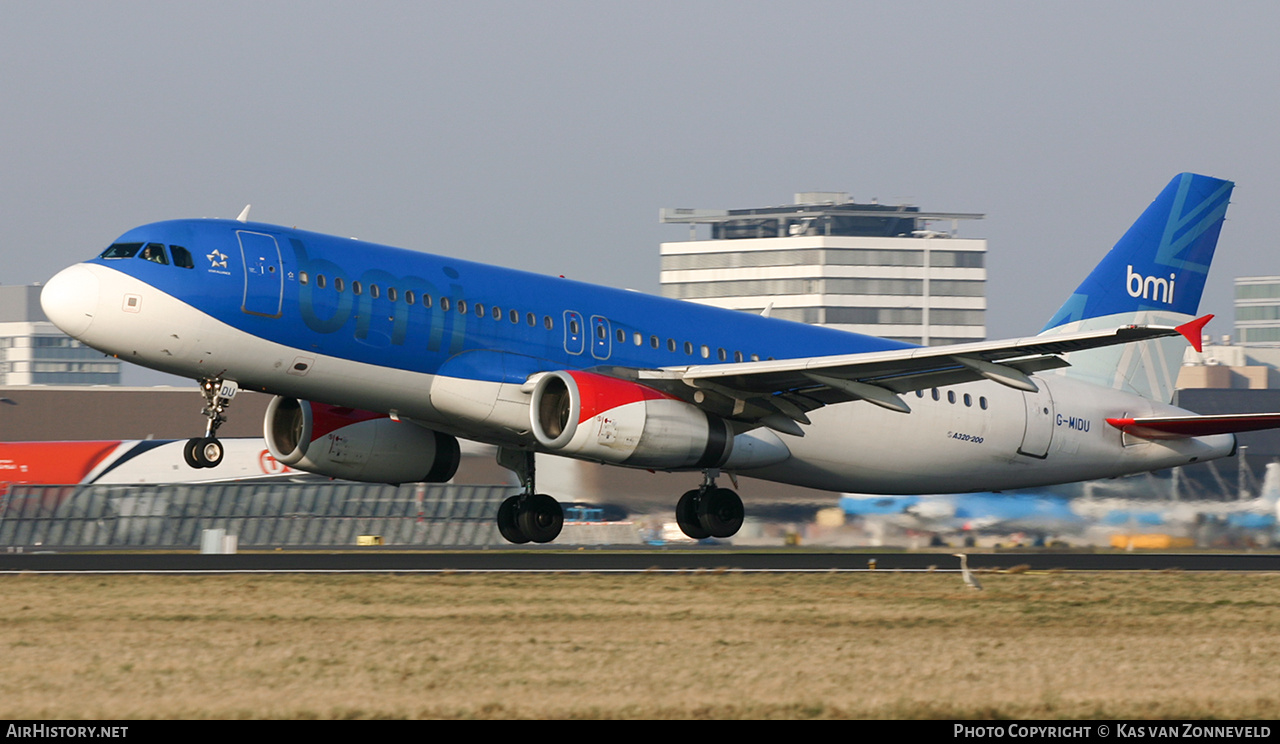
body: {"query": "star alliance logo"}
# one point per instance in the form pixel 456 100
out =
pixel 218 263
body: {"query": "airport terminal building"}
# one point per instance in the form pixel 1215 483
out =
pixel 826 260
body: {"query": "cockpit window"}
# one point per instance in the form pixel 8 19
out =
pixel 155 252
pixel 182 257
pixel 122 250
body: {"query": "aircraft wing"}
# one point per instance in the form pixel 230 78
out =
pixel 778 393
pixel 1186 427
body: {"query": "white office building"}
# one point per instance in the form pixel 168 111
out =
pixel 1258 310
pixel 868 268
pixel 34 352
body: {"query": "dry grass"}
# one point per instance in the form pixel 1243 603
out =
pixel 702 645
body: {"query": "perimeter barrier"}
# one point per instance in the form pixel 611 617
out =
pixel 260 515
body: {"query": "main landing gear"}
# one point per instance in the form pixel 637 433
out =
pixel 709 511
pixel 207 451
pixel 704 512
pixel 528 516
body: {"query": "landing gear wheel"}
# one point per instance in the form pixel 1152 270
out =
pixel 210 452
pixel 687 516
pixel 720 512
pixel 207 451
pixel 507 521
pixel 202 452
pixel 540 518
pixel 190 453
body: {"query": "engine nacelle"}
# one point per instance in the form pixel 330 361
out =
pixel 357 445
pixel 594 417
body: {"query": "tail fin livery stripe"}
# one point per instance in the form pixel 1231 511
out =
pixel 1162 262
pixel 1192 228
pixel 125 455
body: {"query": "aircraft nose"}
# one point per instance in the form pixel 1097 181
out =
pixel 70 299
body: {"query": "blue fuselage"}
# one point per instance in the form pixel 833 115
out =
pixel 414 311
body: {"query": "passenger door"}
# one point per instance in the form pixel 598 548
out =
pixel 263 277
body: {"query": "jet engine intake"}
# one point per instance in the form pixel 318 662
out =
pixel 605 419
pixel 357 445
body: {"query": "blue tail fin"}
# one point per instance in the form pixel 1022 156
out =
pixel 1162 262
pixel 1155 274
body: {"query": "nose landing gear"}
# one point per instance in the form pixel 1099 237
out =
pixel 207 451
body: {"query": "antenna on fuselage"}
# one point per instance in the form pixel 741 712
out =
pixel 244 214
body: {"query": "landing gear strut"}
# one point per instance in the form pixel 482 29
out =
pixel 528 516
pixel 207 451
pixel 709 511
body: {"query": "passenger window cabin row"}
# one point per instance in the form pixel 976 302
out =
pixel 159 253
pixel 952 398
pixel 409 297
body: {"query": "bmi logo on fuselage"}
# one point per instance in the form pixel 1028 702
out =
pixel 1149 287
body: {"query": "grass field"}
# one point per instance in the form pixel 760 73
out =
pixel 704 645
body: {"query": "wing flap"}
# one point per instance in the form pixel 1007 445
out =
pixel 1186 427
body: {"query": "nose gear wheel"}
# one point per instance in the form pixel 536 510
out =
pixel 207 451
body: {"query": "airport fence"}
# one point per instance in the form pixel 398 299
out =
pixel 260 515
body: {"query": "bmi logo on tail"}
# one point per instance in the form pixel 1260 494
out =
pixel 1149 287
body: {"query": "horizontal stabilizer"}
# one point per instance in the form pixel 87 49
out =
pixel 1185 427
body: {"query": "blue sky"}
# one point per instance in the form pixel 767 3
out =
pixel 546 135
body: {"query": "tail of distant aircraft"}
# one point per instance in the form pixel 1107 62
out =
pixel 1270 490
pixel 1154 275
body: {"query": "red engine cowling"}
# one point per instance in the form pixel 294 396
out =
pixel 357 445
pixel 594 417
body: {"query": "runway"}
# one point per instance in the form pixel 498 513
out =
pixel 621 561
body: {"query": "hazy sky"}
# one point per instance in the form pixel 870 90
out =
pixel 546 135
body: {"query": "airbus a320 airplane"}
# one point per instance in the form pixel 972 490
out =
pixel 381 358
